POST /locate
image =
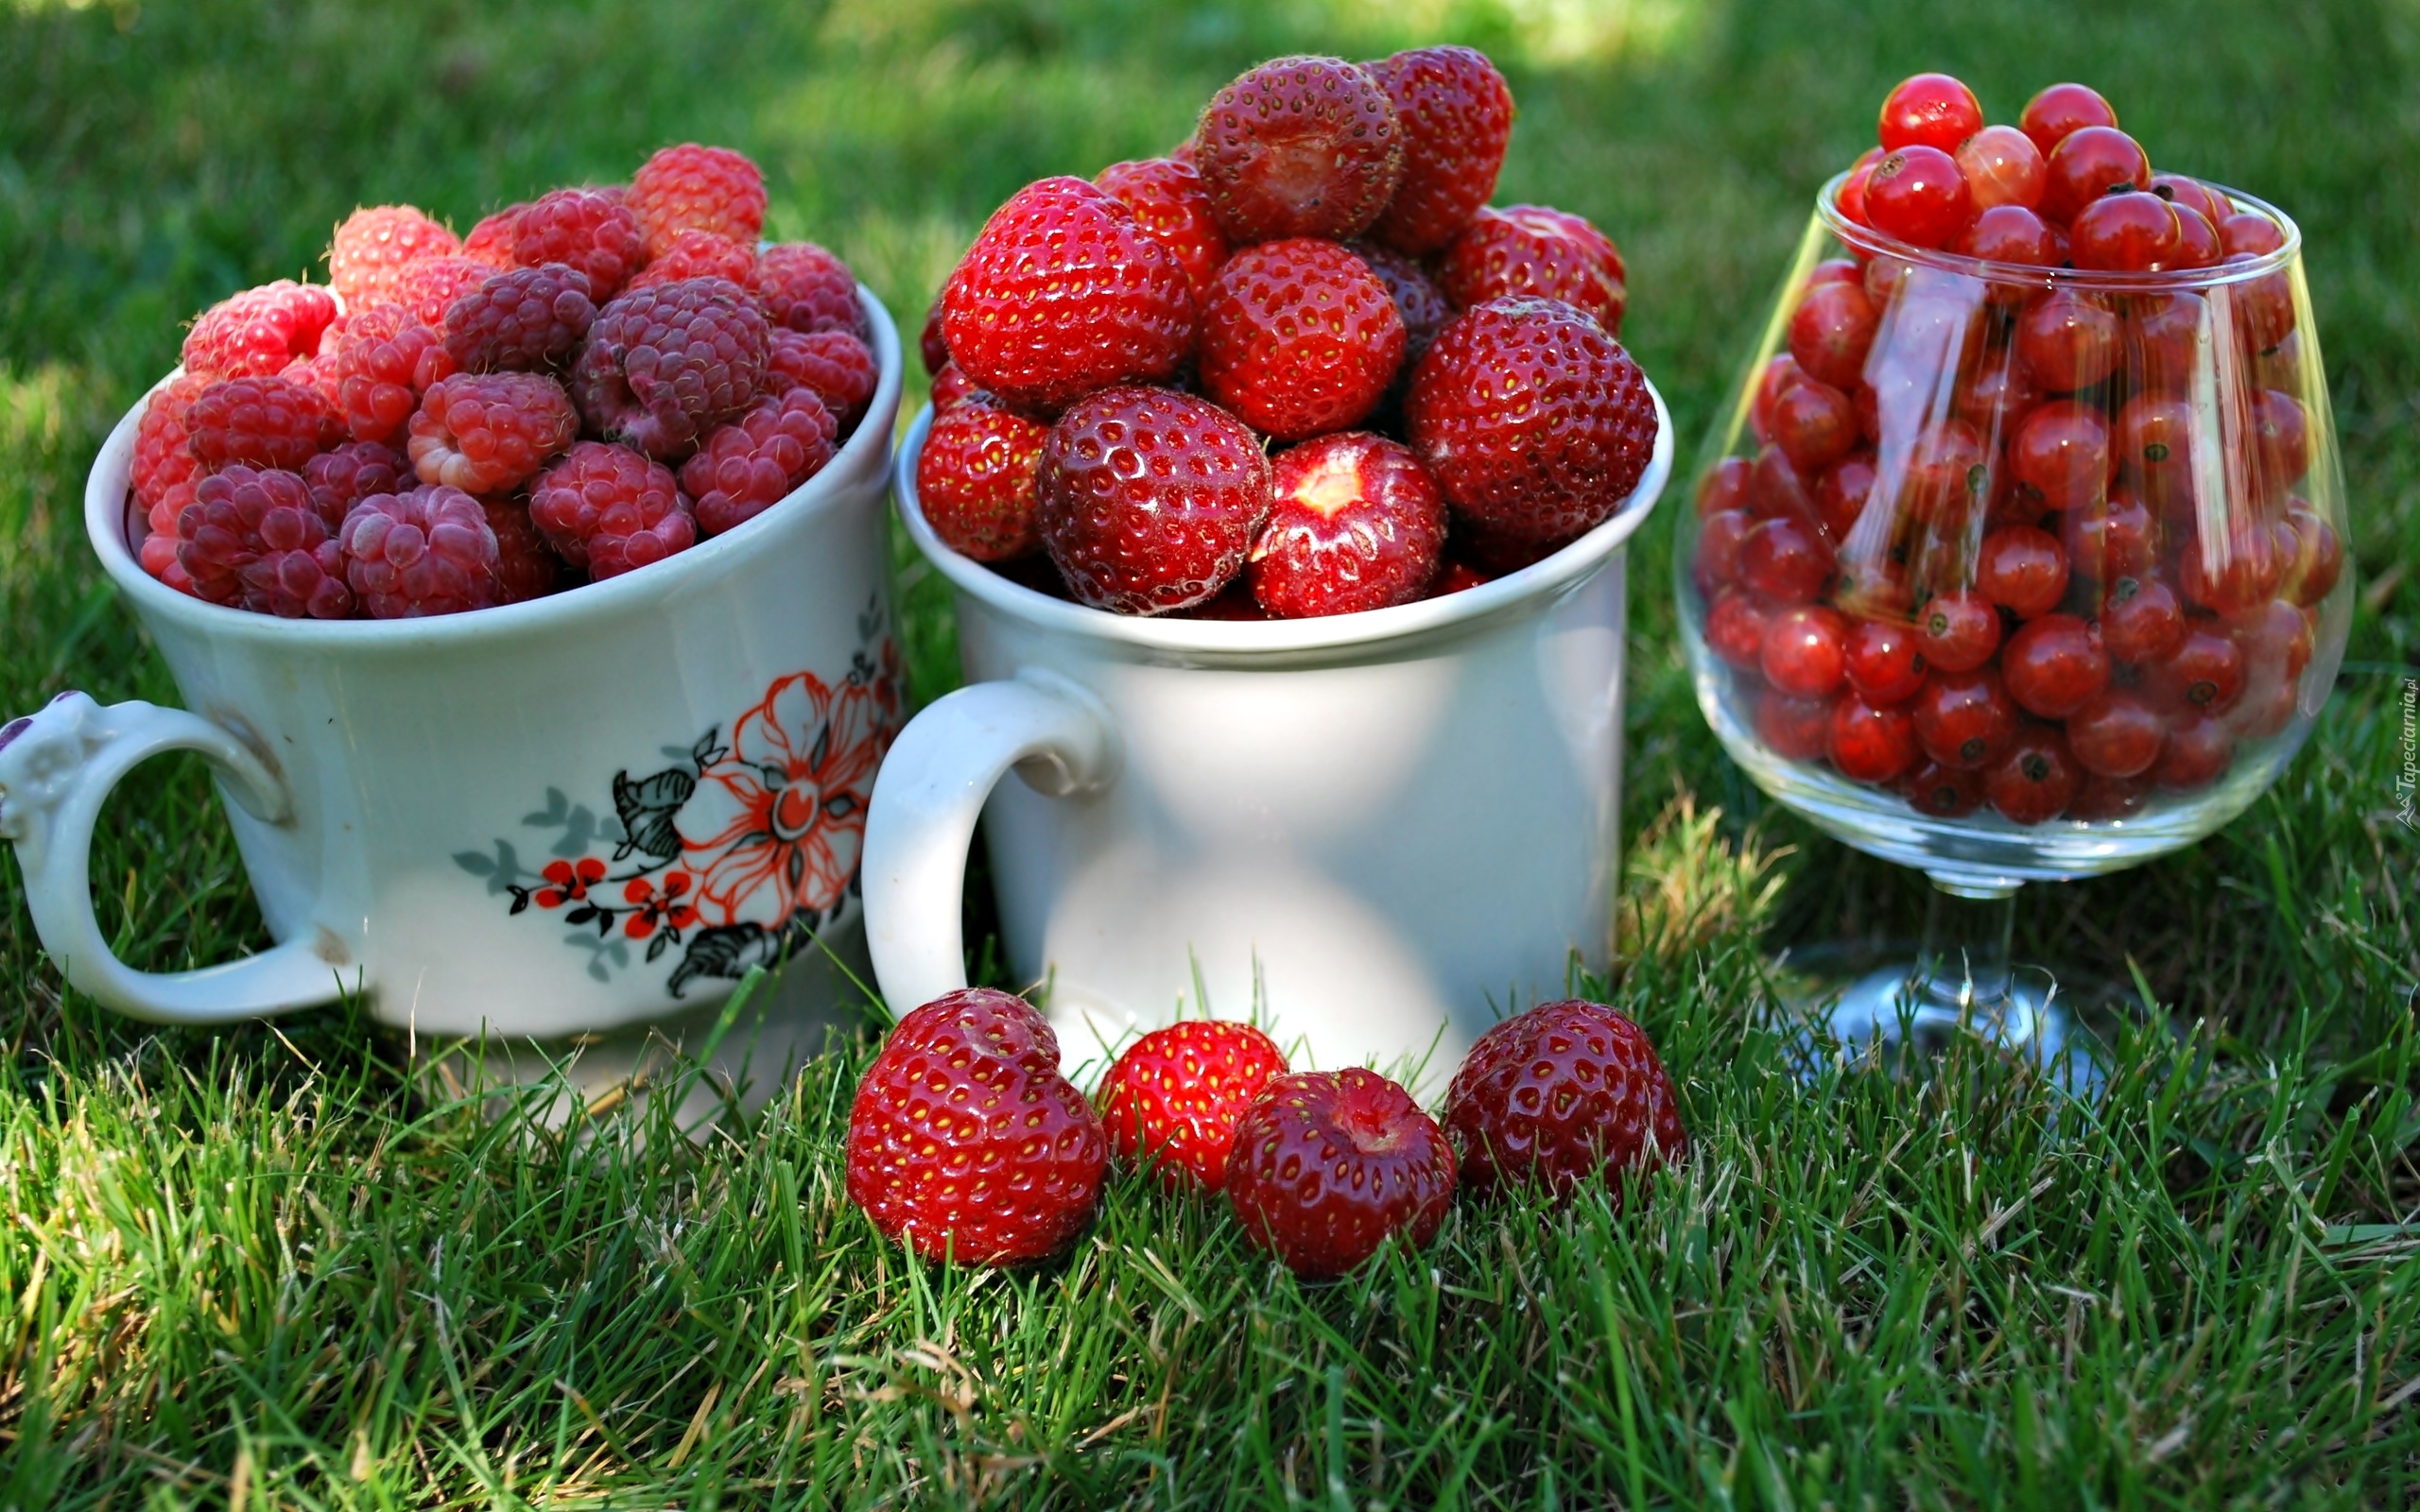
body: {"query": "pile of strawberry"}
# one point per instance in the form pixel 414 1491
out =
pixel 966 1142
pixel 1316 270
pixel 587 384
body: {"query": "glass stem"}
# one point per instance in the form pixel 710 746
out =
pixel 1964 963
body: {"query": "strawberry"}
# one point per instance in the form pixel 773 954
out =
pixel 1536 422
pixel 929 345
pixel 1457 115
pixel 1298 146
pixel 965 1142
pixel 1566 1093
pixel 1357 524
pixel 1174 1096
pixel 1062 293
pixel 1149 499
pixel 1419 302
pixel 1168 201
pixel 1326 1164
pixel 977 479
pixel 1537 250
pixel 1299 337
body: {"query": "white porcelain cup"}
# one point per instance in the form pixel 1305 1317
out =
pixel 1381 829
pixel 590 810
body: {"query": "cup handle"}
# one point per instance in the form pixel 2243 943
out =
pixel 57 769
pixel 929 796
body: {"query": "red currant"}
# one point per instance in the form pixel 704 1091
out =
pixel 2004 168
pixel 2105 799
pixel 2192 194
pixel 2117 735
pixel 1870 745
pixel 2276 639
pixel 2061 451
pixel 2203 675
pixel 2108 541
pixel 2248 571
pixel 1917 195
pixel 1831 331
pixel 1793 728
pixel 2066 340
pixel 2265 710
pixel 1735 630
pixel 1929 109
pixel 1852 194
pixel 1841 492
pixel 1805 653
pixel 1964 719
pixel 1958 632
pixel 2264 309
pixel 2054 665
pixel 2087 163
pixel 2061 110
pixel 2125 233
pixel 2036 780
pixel 1945 465
pixel 2283 433
pixel 1882 662
pixel 1996 386
pixel 2162 335
pixel 2246 234
pixel 1835 270
pixel 1776 488
pixel 1784 560
pixel 1717 565
pixel 1725 486
pixel 2009 234
pixel 1944 792
pixel 1883 277
pixel 2197 240
pixel 2318 560
pixel 2142 623
pixel 2199 748
pixel 1782 373
pixel 2023 570
pixel 1814 425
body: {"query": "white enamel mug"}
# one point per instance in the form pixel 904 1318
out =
pixel 590 810
pixel 1382 829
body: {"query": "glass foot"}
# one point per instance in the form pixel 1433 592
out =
pixel 1910 1010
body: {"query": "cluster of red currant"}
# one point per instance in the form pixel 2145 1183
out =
pixel 2019 510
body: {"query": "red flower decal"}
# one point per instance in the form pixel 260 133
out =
pixel 657 909
pixel 567 884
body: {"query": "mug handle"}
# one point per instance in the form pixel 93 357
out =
pixel 931 791
pixel 57 769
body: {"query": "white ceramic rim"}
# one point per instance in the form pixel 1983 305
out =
pixel 1246 640
pixel 106 507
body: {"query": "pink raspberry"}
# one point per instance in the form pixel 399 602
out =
pixel 752 464
pixel 430 551
pixel 259 331
pixel 161 459
pixel 662 366
pixel 319 374
pixel 586 228
pixel 697 188
pixel 491 240
pixel 525 320
pixel 801 285
pixel 525 566
pixel 609 509
pixel 697 254
pixel 264 422
pixel 373 245
pixel 429 287
pixel 386 362
pixel 345 475
pixel 253 539
pixel 838 367
pixel 158 555
pixel 486 432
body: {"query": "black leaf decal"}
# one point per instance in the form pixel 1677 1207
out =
pixel 647 810
pixel 658 945
pixel 581 915
pixel 726 951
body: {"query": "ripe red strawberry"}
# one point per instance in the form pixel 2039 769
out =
pixel 978 480
pixel 1357 524
pixel 966 1143
pixel 1167 198
pixel 259 331
pixel 1566 1093
pixel 373 245
pixel 697 188
pixel 804 287
pixel 1063 293
pixel 1299 337
pixel 951 387
pixel 486 432
pixel 1149 499
pixel 694 253
pixel 1536 422
pixel 1419 302
pixel 930 344
pixel 587 229
pixel 1174 1095
pixel 1457 115
pixel 264 422
pixel 1540 250
pixel 1326 1164
pixel 1298 146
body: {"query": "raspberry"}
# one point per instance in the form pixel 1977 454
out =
pixel 158 555
pixel 1357 524
pixel 608 510
pixel 1535 421
pixel 1174 1095
pixel 586 228
pixel 344 476
pixel 966 1143
pixel 259 331
pixel 372 247
pixel 662 366
pixel 929 344
pixel 485 432
pixel 386 362
pixel 1457 117
pixel 1298 146
pixel 1566 1093
pixel 1537 250
pixel 752 464
pixel 264 422
pixel 951 387
pixel 1299 337
pixel 838 367
pixel 251 539
pixel 525 566
pixel 1149 499
pixel 1420 304
pixel 697 188
pixel 801 285
pixel 429 287
pixel 429 550
pixel 978 480
pixel 1326 1164
pixel 1168 201
pixel 1063 293
pixel 525 320
pixel 162 457
pixel 319 374
pixel 697 254
pixel 491 240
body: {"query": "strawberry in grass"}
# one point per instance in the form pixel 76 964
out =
pixel 1567 1093
pixel 1327 1164
pixel 1173 1098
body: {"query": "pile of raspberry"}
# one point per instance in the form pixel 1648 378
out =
pixel 585 384
pixel 1983 546
pixel 1297 367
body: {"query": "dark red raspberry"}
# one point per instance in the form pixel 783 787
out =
pixel 1168 201
pixel 1357 524
pixel 384 362
pixel 663 366
pixel 1173 1097
pixel 525 566
pixel 931 345
pixel 259 331
pixel 838 367
pixel 1419 304
pixel 1149 499
pixel 429 287
pixel 747 467
pixel 697 188
pixel 529 319
pixel 484 433
pixel 1326 1164
pixel 1536 422
pixel 1299 337
pixel 343 476
pixel 430 551
pixel 966 1143
pixel 491 240
pixel 978 480
pixel 609 509
pixel 1457 116
pixel 1540 250
pixel 1298 146
pixel 163 458
pixel 951 387
pixel 801 285
pixel 373 245
pixel 1567 1093
pixel 264 422
pixel 697 254
pixel 239 516
pixel 586 228
pixel 1063 293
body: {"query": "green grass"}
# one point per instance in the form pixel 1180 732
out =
pixel 268 1267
